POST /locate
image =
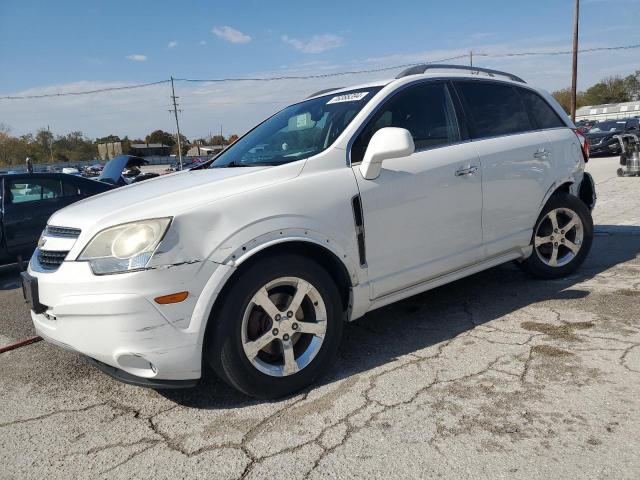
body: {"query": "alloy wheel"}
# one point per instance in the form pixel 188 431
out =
pixel 283 326
pixel 558 237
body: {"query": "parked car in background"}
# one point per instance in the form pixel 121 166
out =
pixel 28 200
pixel 335 206
pixel 92 170
pixel 123 170
pixel 601 136
pixel 584 126
pixel 188 164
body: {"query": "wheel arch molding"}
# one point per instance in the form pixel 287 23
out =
pixel 308 243
pixel 566 185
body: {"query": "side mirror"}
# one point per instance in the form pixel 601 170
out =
pixel 386 143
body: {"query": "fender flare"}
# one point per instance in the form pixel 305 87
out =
pixel 573 188
pixel 247 250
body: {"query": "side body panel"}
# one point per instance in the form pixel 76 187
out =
pixel 420 219
pixel 516 171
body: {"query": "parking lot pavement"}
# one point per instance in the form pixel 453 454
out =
pixel 497 375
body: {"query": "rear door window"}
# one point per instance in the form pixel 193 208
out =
pixel 92 187
pixel 540 111
pixel 493 109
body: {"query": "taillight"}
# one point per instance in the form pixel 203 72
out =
pixel 584 143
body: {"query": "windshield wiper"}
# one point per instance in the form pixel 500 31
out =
pixel 235 164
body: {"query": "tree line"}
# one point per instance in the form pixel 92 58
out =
pixel 45 147
pixel 615 89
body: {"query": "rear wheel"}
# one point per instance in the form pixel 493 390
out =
pixel 278 329
pixel 562 237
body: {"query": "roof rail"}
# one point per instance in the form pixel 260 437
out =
pixel 419 69
pixel 326 90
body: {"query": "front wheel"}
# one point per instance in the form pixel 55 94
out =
pixel 562 237
pixel 279 327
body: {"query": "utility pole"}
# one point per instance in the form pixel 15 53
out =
pixel 574 72
pixel 175 112
pixel 471 58
pixel 50 145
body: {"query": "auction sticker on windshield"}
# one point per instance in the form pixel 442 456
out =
pixel 348 97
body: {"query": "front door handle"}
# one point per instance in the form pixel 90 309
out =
pixel 472 170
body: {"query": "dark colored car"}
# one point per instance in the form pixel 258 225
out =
pixel 28 200
pixel 123 170
pixel 602 135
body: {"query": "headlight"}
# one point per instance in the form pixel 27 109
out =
pixel 125 247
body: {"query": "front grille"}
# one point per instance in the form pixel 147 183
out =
pixel 66 232
pixel 51 260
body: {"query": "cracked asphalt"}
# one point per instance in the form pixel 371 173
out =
pixel 494 376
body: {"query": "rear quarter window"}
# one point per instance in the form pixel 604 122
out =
pixel 93 187
pixel 540 111
pixel 493 109
pixel 70 189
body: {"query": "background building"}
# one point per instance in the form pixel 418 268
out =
pixel 106 151
pixel 609 111
pixel 204 150
pixel 150 149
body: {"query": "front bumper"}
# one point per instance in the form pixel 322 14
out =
pixel 125 377
pixel 113 318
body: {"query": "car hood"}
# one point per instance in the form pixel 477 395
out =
pixel 168 195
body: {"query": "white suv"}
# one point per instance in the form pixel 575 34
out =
pixel 347 201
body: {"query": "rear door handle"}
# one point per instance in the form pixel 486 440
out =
pixel 473 169
pixel 541 154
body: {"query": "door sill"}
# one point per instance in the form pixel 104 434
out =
pixel 444 278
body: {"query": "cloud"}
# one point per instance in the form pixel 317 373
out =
pixel 202 42
pixel 482 35
pixel 172 44
pixel 136 57
pixel 231 34
pixel 315 44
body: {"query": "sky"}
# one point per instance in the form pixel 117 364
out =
pixel 72 45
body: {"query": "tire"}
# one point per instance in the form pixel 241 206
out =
pixel 571 246
pixel 289 360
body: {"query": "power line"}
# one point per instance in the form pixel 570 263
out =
pixel 84 92
pixel 317 76
pixel 398 67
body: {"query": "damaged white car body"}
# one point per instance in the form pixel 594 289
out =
pixel 254 269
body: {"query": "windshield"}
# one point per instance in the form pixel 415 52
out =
pixel 299 131
pixel 610 126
